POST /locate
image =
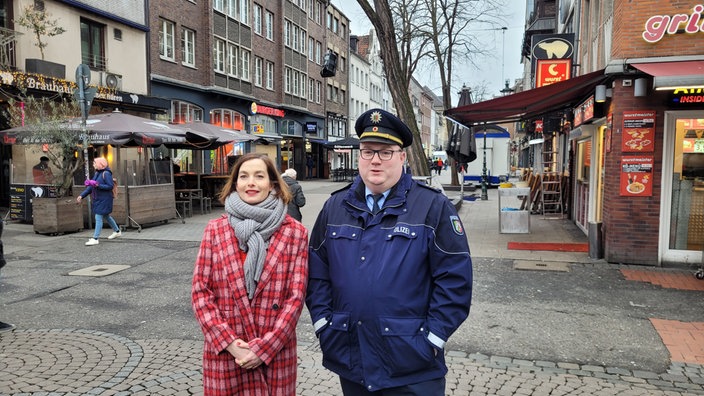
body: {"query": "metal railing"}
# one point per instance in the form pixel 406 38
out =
pixel 8 44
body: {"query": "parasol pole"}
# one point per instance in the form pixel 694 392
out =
pixel 85 95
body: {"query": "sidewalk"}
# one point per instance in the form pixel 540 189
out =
pixel 132 332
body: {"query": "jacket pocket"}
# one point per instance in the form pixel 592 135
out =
pixel 335 340
pixel 407 348
pixel 343 232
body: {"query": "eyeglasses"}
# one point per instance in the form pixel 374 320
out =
pixel 384 155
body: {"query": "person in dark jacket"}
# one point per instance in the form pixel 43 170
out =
pixel 298 200
pixel 390 273
pixel 100 188
pixel 3 326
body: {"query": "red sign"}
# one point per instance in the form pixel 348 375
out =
pixel 266 110
pixel 551 71
pixel 638 131
pixel 584 112
pixel 636 176
pixel 538 126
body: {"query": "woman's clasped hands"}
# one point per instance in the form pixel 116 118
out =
pixel 244 357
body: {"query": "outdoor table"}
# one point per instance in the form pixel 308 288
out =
pixel 189 195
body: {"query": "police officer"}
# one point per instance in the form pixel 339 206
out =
pixel 390 273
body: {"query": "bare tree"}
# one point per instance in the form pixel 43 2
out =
pixel 398 76
pixel 452 27
pixel 426 30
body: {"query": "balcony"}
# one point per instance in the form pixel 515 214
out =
pixel 8 43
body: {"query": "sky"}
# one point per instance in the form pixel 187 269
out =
pixel 492 70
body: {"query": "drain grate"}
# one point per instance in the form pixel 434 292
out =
pixel 528 265
pixel 99 270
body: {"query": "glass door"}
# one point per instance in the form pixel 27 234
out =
pixel 682 237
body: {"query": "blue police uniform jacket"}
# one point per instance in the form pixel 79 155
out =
pixel 386 291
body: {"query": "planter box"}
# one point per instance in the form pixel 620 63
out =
pixel 56 215
pixel 46 68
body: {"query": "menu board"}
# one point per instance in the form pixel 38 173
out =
pixel 21 196
pixel 638 131
pixel 637 176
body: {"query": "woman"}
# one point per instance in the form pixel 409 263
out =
pixel 100 188
pixel 298 200
pixel 249 285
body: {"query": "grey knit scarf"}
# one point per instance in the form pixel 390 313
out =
pixel 254 225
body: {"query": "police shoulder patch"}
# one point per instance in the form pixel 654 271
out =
pixel 456 225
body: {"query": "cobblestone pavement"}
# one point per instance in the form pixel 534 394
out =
pixel 83 362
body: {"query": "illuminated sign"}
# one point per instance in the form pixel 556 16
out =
pixel 584 112
pixel 657 26
pixel 553 71
pixel 687 96
pixel 266 110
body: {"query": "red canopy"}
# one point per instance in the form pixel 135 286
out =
pixel 529 104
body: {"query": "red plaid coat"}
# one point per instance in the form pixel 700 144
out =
pixel 267 322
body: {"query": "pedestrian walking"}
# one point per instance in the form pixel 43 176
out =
pixel 249 285
pixel 100 190
pixel 298 199
pixel 390 272
pixel 439 166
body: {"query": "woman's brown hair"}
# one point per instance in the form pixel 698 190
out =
pixel 280 187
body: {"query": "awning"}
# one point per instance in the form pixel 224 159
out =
pixel 529 104
pixel 673 74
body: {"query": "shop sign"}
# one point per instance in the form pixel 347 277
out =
pixel 584 112
pixel 266 110
pixel 553 71
pixel 638 131
pixel 636 176
pixel 686 96
pixel 257 129
pixel 657 26
pixel 538 126
pixel 312 127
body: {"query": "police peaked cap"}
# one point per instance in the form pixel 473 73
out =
pixel 380 126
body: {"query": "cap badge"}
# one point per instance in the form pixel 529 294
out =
pixel 376 117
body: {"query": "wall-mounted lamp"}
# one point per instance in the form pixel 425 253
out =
pixel 609 92
pixel 600 94
pixel 641 87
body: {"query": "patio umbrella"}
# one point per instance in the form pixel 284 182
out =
pixel 221 135
pixel 117 129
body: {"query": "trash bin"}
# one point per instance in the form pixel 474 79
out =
pixel 513 219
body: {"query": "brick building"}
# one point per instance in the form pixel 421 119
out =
pixel 625 117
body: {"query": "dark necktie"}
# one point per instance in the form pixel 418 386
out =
pixel 375 207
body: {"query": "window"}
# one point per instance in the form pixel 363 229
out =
pixel 233 60
pixel 188 43
pixel 296 86
pixel 294 39
pixel 318 52
pixel 244 11
pixel 92 44
pixel 166 40
pixel 287 80
pixel 318 91
pixel 288 26
pixel 182 112
pixel 219 5
pixel 269 75
pixel 257 21
pixel 231 8
pixel 303 41
pixel 219 55
pixel 226 118
pixel 244 71
pixel 311 49
pixel 258 71
pixel 311 89
pixel 270 26
pixel 302 91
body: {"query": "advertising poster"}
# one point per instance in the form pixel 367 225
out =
pixel 638 131
pixel 637 176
